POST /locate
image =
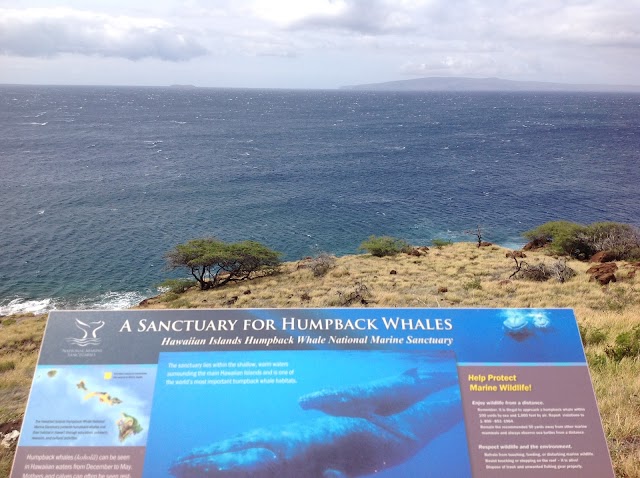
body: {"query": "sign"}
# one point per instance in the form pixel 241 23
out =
pixel 312 393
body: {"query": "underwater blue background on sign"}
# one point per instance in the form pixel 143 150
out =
pixel 188 416
pixel 479 335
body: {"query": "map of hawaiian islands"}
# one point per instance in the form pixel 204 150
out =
pixel 128 425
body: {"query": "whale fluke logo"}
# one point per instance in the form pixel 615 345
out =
pixel 89 336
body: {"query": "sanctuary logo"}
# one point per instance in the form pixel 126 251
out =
pixel 87 342
pixel 89 334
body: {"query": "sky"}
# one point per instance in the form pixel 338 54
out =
pixel 316 43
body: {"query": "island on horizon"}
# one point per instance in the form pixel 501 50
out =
pixel 437 83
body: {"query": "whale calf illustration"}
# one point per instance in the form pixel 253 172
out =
pixel 381 398
pixel 326 447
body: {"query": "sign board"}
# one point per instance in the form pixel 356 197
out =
pixel 312 393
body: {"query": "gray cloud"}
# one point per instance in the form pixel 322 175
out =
pixel 361 16
pixel 51 32
pixel 588 23
pixel 519 38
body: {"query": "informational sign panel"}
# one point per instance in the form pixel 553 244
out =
pixel 312 393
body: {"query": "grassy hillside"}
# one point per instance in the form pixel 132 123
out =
pixel 457 275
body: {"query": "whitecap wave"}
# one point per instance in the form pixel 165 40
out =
pixel 26 306
pixel 112 301
pixel 106 301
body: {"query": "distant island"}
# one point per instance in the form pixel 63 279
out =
pixel 486 84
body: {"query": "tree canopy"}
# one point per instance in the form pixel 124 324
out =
pixel 213 262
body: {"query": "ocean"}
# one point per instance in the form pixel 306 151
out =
pixel 98 183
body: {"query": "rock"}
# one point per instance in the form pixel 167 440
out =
pixel 603 256
pixel 247 292
pixel 604 268
pixel 442 290
pixel 10 439
pixel 604 279
pixel 393 272
pixel 515 254
pixel 603 273
pixel 232 301
pixel 536 244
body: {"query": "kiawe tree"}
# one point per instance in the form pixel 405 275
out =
pixel 213 262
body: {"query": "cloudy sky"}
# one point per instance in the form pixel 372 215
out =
pixel 316 43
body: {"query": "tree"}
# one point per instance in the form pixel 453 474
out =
pixel 214 263
pixel 621 241
pixel 478 233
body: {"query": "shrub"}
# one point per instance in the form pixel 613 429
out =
pixel 474 284
pixel 592 336
pixel 541 272
pixel 440 243
pixel 176 286
pixel 384 246
pixel 320 265
pixel 360 293
pixel 563 237
pixel 169 297
pixel 596 361
pixel 627 345
pixel 622 240
pixel 576 240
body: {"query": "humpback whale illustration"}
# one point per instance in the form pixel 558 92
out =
pixel 326 447
pixel 381 398
pixel 521 326
pixel 91 327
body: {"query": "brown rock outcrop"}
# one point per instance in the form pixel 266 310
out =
pixel 603 273
pixel 535 244
pixel 603 256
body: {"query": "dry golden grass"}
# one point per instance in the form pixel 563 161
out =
pixel 20 338
pixel 459 275
pixel 472 277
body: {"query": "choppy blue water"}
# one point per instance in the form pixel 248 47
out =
pixel 97 183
